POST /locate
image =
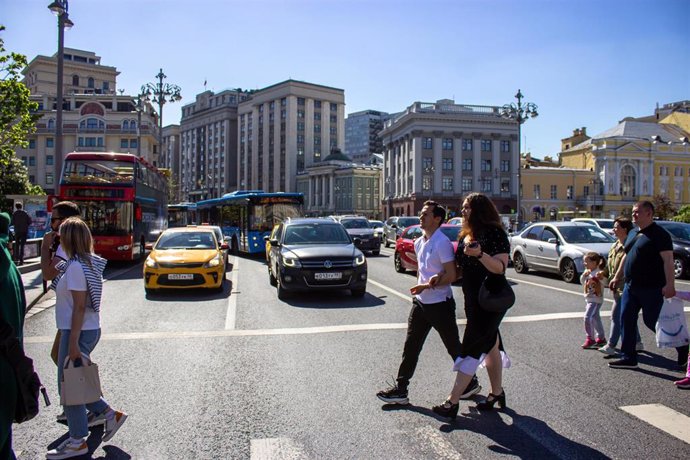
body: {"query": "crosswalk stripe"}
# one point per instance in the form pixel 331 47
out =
pixel 663 418
pixel 231 315
pixel 275 449
pixel 438 444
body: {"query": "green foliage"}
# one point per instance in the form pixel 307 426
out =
pixel 17 121
pixel 683 214
pixel 663 207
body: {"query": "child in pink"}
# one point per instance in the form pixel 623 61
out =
pixel 593 283
pixel 684 383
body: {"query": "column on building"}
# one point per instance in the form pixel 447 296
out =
pixel 323 190
pixel 331 195
pixel 405 159
pixel 476 161
pixel 457 163
pixel 417 156
pixel 496 164
pixel 437 162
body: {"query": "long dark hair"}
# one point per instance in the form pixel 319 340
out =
pixel 483 215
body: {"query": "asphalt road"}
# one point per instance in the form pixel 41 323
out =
pixel 243 375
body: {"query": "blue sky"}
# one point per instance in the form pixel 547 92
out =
pixel 584 63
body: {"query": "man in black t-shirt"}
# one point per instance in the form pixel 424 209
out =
pixel 647 269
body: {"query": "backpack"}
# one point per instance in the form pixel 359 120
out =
pixel 28 383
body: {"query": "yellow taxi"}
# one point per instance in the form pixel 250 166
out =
pixel 185 258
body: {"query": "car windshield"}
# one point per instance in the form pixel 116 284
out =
pixel 679 231
pixel 605 223
pixel 407 221
pixel 451 232
pixel 584 234
pixel 316 233
pixel 186 240
pixel 375 223
pixel 355 223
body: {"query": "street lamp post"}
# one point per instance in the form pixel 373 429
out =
pixel 519 113
pixel 162 93
pixel 429 171
pixel 60 9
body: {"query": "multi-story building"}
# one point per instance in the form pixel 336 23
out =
pixel 555 193
pixel 95 117
pixel 443 151
pixel 170 158
pixel 284 129
pixel 362 134
pixel 336 185
pixel 208 145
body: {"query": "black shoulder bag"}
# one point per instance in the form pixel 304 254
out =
pixel 495 294
pixel 28 384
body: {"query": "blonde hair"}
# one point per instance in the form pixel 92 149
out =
pixel 76 239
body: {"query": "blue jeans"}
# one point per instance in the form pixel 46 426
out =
pixel 634 299
pixel 76 415
pixel 615 331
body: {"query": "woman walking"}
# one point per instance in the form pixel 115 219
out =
pixel 77 312
pixel 482 249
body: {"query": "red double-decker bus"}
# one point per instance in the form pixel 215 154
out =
pixel 122 198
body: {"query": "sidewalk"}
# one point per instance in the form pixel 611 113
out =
pixel 33 282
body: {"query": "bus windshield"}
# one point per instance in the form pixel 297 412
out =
pixel 108 218
pixel 101 172
pixel 266 215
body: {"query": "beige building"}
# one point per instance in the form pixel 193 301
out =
pixel 208 145
pixel 170 158
pixel 443 151
pixel 95 118
pixel 338 186
pixel 285 129
pixel 557 193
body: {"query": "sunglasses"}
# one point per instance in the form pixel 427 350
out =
pixel 53 219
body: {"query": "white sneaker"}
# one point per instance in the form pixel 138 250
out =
pixel 113 424
pixel 68 449
pixel 639 346
pixel 92 419
pixel 608 349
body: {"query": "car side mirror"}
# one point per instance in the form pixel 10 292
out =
pixel 274 242
pixel 394 226
pixel 356 240
pixel 148 246
pixel 224 246
pixel 552 241
pixel 267 238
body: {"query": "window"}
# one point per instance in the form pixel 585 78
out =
pixel 585 190
pixel 300 139
pixel 467 164
pixel 466 184
pixel 505 146
pixel 334 118
pixel 485 185
pixel 105 86
pixel 447 184
pixel 91 82
pixel 133 143
pixel 486 165
pixel 50 142
pixel 317 104
pixel 317 116
pixel 447 144
pixel 317 128
pixel 427 143
pixel 32 143
pixel 554 192
pixel 486 145
pixel 537 191
pixel 49 178
pixel 467 145
pixel 24 160
pixel 300 113
pixel 300 101
pixel 447 164
pixel 125 125
pixel 505 165
pixel 300 126
pixel 124 143
pixel 51 123
pixel 334 107
pixel 427 162
pixel 75 80
pixel 628 182
pixel 50 161
pixel 426 182
pixel 283 102
pixel 505 185
pixel 32 161
pixel 569 192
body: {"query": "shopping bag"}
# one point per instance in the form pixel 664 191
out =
pixel 80 385
pixel 672 327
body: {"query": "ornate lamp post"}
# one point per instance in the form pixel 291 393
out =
pixel 59 8
pixel 429 171
pixel 520 113
pixel 160 93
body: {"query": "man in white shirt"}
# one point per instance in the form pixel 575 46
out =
pixel 433 304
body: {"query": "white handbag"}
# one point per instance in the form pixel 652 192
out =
pixel 672 327
pixel 80 385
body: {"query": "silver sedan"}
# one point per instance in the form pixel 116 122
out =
pixel 558 247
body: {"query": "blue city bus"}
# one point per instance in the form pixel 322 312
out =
pixel 181 214
pixel 246 216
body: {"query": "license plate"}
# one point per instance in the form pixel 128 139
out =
pixel 328 276
pixel 180 276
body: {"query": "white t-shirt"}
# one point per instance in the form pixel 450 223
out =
pixel 73 280
pixel 432 253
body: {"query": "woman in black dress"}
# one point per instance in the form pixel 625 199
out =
pixel 482 249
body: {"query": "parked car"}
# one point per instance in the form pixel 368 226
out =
pixel 394 227
pixel 455 221
pixel 377 225
pixel 405 257
pixel 315 254
pixel 183 258
pixel 604 224
pixel 680 234
pixel 362 234
pixel 558 247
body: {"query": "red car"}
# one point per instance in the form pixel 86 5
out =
pixel 405 257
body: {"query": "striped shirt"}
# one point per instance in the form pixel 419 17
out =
pixel 93 272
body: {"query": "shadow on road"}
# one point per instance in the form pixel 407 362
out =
pixel 190 295
pixel 335 298
pixel 93 441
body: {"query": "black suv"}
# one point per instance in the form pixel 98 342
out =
pixel 363 235
pixel 311 254
pixel 394 227
pixel 680 234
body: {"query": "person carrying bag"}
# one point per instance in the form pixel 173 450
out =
pixel 77 311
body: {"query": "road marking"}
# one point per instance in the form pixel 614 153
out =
pixel 392 291
pixel 663 418
pixel 231 315
pixel 566 291
pixel 438 444
pixel 275 449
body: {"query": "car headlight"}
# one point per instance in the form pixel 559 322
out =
pixel 217 260
pixel 359 260
pixel 289 261
pixel 151 262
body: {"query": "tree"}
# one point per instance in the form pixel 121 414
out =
pixel 663 207
pixel 683 214
pixel 17 120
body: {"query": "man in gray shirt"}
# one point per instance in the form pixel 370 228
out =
pixel 21 222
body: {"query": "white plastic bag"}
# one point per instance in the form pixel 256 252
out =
pixel 672 328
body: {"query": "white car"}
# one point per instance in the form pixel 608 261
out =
pixel 558 247
pixel 604 224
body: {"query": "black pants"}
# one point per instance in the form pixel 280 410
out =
pixel 440 316
pixel 19 243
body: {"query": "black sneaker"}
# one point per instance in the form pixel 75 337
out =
pixel 472 389
pixel 625 363
pixel 393 395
